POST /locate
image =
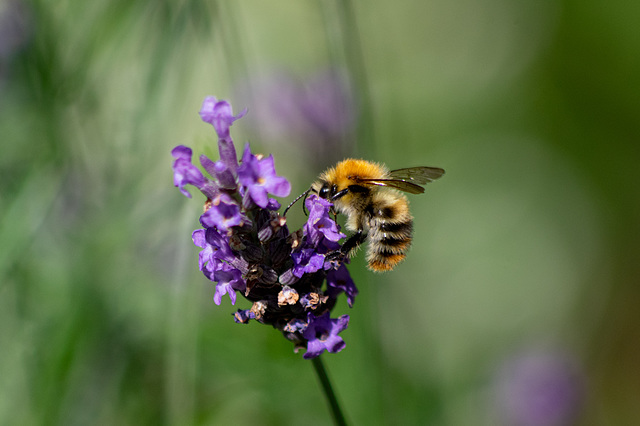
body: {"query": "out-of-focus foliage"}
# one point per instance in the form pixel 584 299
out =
pixel 525 250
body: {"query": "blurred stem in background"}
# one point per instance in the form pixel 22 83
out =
pixel 345 45
pixel 63 188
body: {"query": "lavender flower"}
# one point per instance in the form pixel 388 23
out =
pixel 258 176
pixel 223 213
pixel 247 249
pixel 184 172
pixel 317 115
pixel 539 387
pixel 228 281
pixel 320 236
pixel 16 30
pixel 320 229
pixel 339 281
pixel 322 334
pixel 220 115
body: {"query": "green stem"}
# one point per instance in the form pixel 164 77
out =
pixel 356 64
pixel 338 417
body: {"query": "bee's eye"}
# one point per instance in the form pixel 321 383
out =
pixel 324 192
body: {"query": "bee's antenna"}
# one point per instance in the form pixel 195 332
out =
pixel 305 194
pixel 304 202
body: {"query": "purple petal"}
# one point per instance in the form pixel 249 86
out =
pixel 207 110
pixel 306 261
pixel 259 195
pixel 322 333
pixel 278 186
pixel 329 229
pixel 198 238
pixel 247 172
pixel 338 281
pixel 335 344
pixel 185 173
pixel 182 152
pixel 228 282
pixel 219 244
pixel 220 115
pixel 316 262
pixel 221 290
pixel 273 204
pixel 314 349
pixel 266 167
pixel 205 255
pixel 247 156
pixel 223 214
pixel 259 178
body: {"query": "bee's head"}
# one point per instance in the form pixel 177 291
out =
pixel 327 191
pixel 324 189
pixel 330 191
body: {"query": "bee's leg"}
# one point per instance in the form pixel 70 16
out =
pixel 333 211
pixel 350 188
pixel 351 245
pixel 349 248
pixel 339 194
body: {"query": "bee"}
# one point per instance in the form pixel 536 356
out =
pixel 368 195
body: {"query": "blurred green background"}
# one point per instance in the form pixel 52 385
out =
pixel 525 250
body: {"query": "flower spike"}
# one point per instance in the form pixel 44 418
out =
pixel 247 249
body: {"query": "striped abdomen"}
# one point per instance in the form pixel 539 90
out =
pixel 390 231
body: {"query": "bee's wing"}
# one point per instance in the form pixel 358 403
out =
pixel 408 180
pixel 401 185
pixel 418 175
